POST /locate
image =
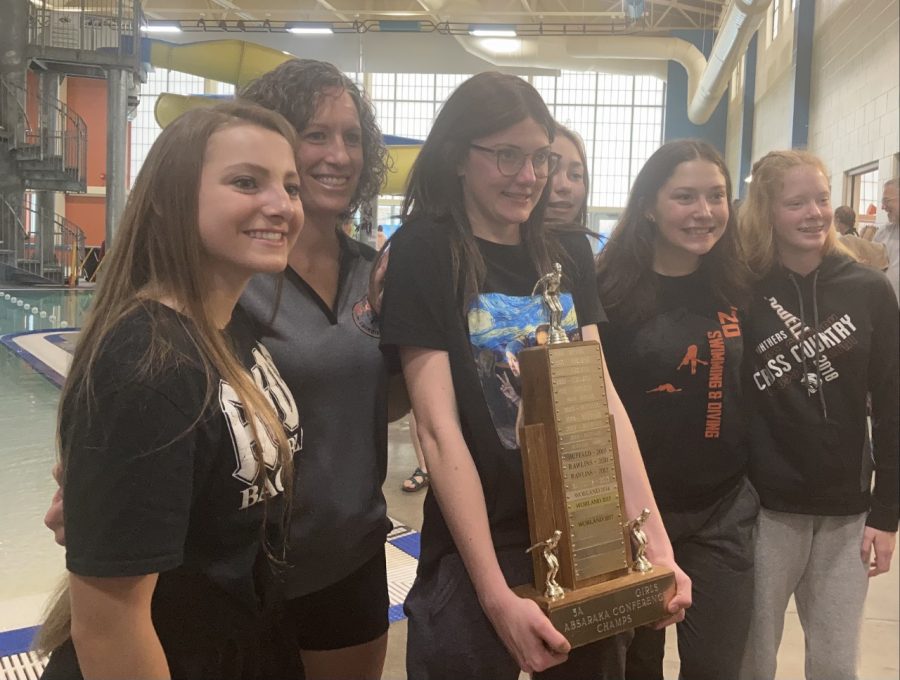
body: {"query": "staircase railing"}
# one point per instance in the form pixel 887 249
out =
pixel 60 133
pixel 13 116
pixel 108 26
pixel 44 244
pixel 13 233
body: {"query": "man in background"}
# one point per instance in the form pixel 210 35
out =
pixel 889 234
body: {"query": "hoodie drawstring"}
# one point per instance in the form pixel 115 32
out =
pixel 820 385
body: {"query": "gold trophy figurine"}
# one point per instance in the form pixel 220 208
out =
pixel 553 591
pixel 640 563
pixel 550 285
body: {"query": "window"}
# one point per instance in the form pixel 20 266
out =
pixel 406 103
pixel 620 118
pixel 144 129
pixel 865 194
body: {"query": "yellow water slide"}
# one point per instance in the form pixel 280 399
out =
pixel 239 62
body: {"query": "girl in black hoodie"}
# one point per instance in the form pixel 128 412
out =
pixel 822 334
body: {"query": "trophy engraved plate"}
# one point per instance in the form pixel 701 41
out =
pixel 591 576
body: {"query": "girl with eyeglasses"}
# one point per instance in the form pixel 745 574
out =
pixel 458 306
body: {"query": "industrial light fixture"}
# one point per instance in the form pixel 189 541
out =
pixel 310 28
pixel 492 31
pixel 161 28
pixel 502 45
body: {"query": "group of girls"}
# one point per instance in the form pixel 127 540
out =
pixel 239 533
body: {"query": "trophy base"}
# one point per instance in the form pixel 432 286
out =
pixel 602 610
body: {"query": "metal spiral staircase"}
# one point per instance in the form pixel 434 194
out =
pixel 50 153
pixel 38 247
pixel 43 143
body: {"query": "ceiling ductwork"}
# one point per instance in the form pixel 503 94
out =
pixel 707 79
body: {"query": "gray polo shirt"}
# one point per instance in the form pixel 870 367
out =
pixel 330 360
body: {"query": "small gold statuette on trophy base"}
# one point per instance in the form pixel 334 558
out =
pixel 574 490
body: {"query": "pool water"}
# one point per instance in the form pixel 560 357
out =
pixel 31 564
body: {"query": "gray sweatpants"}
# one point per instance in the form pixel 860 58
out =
pixel 816 559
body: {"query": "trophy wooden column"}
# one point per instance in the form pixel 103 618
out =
pixel 573 485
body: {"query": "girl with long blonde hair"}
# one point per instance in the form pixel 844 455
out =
pixel 821 335
pixel 176 432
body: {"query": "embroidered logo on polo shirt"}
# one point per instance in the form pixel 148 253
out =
pixel 364 317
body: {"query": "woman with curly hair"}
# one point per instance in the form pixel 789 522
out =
pixel 325 343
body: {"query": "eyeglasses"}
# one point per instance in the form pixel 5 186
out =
pixel 511 160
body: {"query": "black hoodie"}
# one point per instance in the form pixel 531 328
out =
pixel 816 345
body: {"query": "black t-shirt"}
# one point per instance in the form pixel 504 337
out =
pixel 420 309
pixel 679 376
pixel 162 482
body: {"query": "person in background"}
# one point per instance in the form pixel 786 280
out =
pixel 418 480
pixel 168 388
pixel 674 289
pixel 569 187
pixel 459 294
pixel 889 234
pixel 872 254
pixel 822 334
pixel 324 338
pixel 844 220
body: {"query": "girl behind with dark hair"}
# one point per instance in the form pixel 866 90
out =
pixel 324 341
pixel 822 335
pixel 458 306
pixel 674 289
pixel 164 397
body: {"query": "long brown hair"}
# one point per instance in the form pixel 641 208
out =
pixel 625 275
pixel 158 254
pixel 481 106
pixel 757 212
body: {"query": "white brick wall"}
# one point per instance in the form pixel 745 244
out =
pixel 774 84
pixel 854 93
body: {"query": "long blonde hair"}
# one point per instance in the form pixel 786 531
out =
pixel 757 212
pixel 158 253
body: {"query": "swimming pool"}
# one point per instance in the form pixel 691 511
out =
pixel 31 563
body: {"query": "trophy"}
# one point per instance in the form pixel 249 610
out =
pixel 591 575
